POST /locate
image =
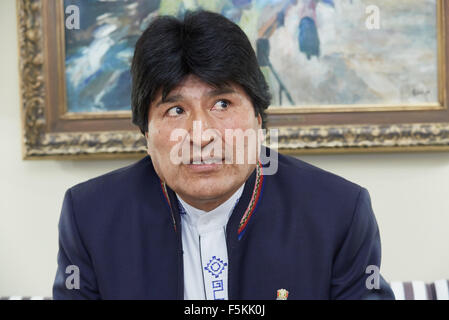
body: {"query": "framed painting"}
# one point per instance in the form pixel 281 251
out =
pixel 345 75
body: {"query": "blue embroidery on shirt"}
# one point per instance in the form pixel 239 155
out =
pixel 215 266
pixel 217 286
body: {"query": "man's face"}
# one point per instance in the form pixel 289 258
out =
pixel 193 108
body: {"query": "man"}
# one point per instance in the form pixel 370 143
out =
pixel 191 221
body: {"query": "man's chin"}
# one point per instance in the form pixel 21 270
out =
pixel 205 190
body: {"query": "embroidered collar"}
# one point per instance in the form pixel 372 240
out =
pixel 205 221
pixel 253 202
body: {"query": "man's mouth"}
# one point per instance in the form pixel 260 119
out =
pixel 206 161
pixel 205 165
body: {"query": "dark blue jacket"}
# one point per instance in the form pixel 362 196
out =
pixel 310 232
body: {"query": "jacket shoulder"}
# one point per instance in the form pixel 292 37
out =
pixel 116 181
pixel 322 200
pixel 297 171
pixel 103 204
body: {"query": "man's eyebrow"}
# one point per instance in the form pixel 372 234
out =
pixel 220 91
pixel 170 99
pixel 213 93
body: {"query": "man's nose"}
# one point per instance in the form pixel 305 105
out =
pixel 199 124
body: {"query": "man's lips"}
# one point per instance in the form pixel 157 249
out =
pixel 207 161
pixel 205 165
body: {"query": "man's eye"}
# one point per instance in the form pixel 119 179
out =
pixel 175 111
pixel 222 104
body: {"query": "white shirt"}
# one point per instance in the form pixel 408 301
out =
pixel 205 251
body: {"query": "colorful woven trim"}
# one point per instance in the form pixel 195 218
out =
pixel 254 199
pixel 164 191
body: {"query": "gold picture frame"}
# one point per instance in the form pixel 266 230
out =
pixel 49 132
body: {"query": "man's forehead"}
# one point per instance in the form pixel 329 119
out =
pixel 193 82
pixel 195 85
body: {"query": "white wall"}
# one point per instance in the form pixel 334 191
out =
pixel 410 194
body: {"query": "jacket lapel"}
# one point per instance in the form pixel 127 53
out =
pixel 237 226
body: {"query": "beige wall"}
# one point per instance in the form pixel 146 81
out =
pixel 410 194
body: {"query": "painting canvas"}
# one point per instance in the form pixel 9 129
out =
pixel 326 54
pixel 345 75
pixel 312 52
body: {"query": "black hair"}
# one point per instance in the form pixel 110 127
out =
pixel 204 44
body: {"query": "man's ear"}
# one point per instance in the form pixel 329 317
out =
pixel 148 146
pixel 259 120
